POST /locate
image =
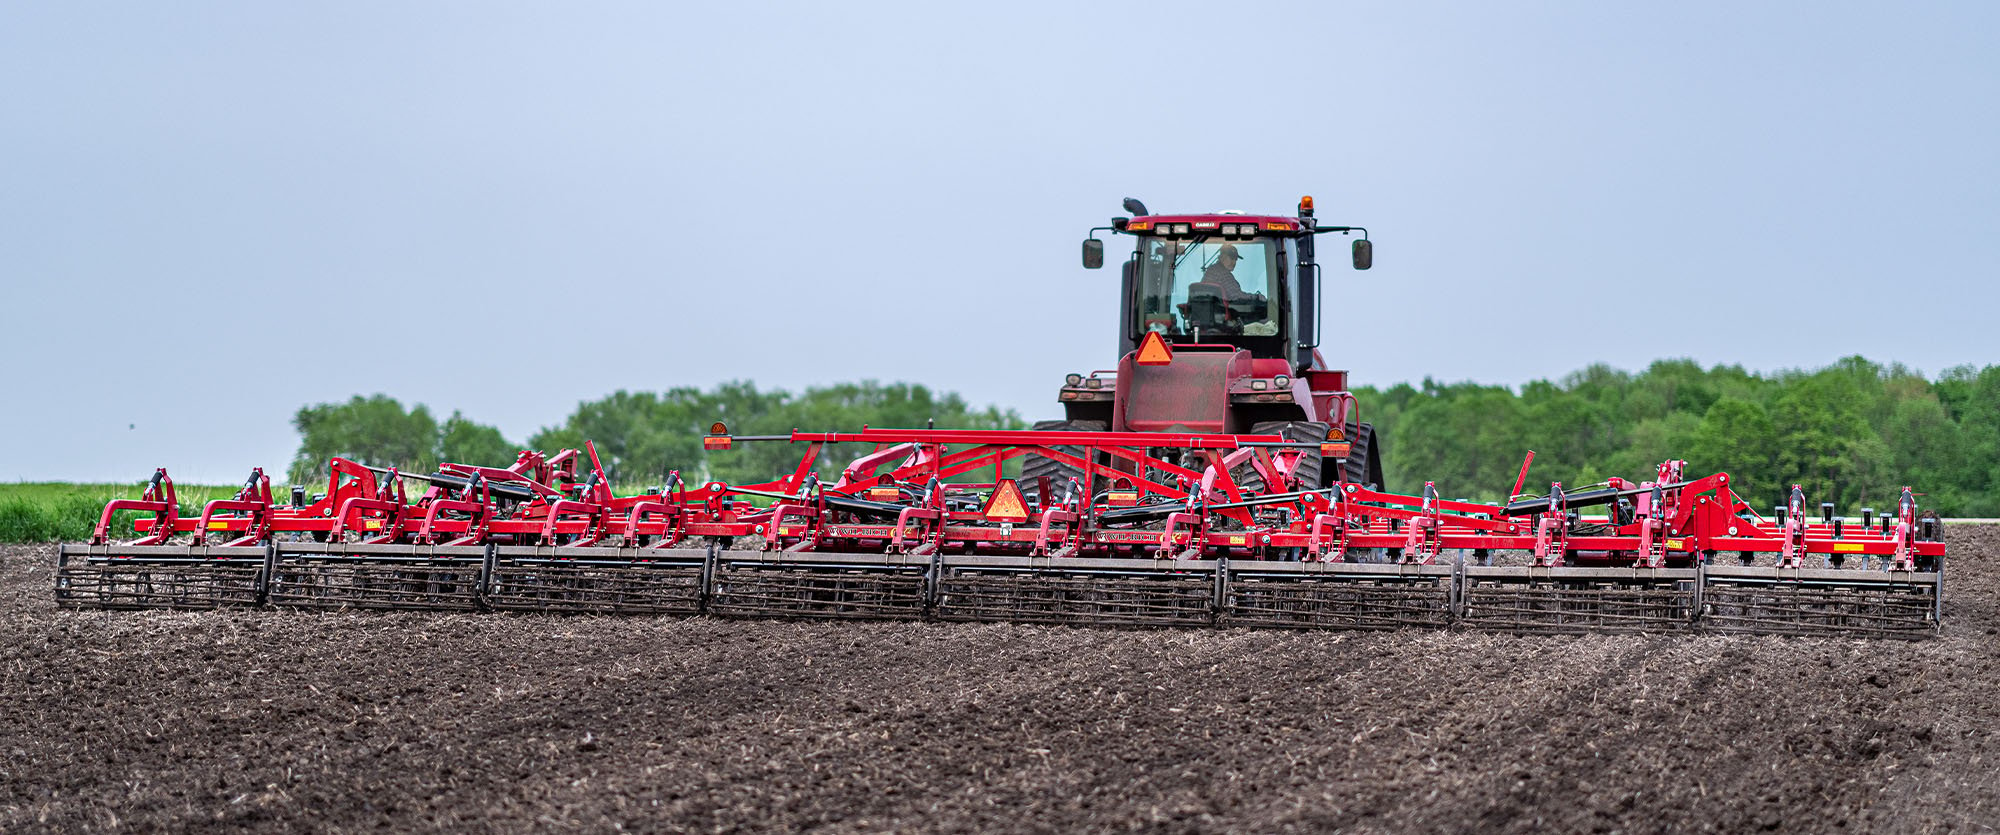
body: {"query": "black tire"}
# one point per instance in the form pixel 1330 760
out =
pixel 1364 459
pixel 1310 466
pixel 1034 466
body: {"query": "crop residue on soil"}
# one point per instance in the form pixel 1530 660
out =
pixel 272 720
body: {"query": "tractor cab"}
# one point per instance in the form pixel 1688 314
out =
pixel 1223 279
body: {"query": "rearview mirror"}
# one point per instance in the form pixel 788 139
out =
pixel 1364 254
pixel 1093 254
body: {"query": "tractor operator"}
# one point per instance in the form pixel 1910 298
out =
pixel 1222 273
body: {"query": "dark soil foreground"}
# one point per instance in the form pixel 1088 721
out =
pixel 278 721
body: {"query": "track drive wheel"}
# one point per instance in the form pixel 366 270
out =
pixel 1312 432
pixel 1059 472
pixel 1364 460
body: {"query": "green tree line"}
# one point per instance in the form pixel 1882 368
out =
pixel 1852 433
pixel 640 436
pixel 379 431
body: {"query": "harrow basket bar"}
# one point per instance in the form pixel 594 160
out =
pixel 423 577
pixel 857 586
pixel 1341 595
pixel 161 576
pixel 597 580
pixel 1094 592
pixel 1777 601
pixel 1079 591
pixel 1575 600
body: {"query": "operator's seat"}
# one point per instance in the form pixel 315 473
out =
pixel 1206 308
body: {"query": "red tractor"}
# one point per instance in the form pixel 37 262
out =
pixel 1218 333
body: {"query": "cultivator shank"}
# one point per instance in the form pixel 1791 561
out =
pixel 1136 529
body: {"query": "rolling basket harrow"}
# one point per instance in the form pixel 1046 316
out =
pixel 1152 529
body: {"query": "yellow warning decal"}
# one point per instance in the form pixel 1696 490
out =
pixel 1121 498
pixel 218 526
pixel 884 494
pixel 1846 546
pixel 1239 540
pixel 371 524
pixel 1006 504
pixel 1676 544
pixel 1153 350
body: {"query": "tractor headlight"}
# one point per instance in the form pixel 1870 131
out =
pixel 1073 380
pixel 1093 383
pixel 1180 228
pixel 1281 381
pixel 1259 385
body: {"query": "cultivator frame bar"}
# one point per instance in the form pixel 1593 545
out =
pixel 1149 529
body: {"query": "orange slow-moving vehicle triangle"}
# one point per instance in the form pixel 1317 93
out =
pixel 1006 504
pixel 1153 350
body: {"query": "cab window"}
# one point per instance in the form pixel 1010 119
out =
pixel 1210 287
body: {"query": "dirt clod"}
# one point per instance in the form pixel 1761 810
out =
pixel 274 721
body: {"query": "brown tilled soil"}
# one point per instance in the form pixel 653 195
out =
pixel 277 721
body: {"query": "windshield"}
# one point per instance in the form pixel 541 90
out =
pixel 1209 287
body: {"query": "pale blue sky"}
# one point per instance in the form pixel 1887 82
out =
pixel 214 213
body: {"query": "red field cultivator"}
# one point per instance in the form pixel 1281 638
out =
pixel 1154 529
pixel 1218 476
